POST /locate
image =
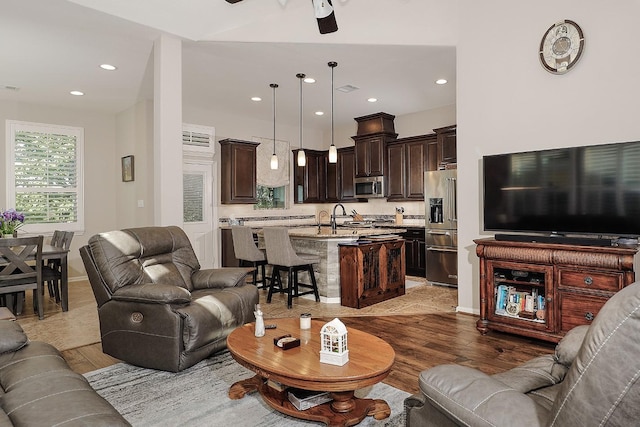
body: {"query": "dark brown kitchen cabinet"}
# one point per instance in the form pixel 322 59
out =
pixel 369 155
pixel 238 171
pixel 340 177
pixel 432 155
pixel 407 161
pixel 371 273
pixel 415 251
pixel 310 180
pixel 346 175
pixel 396 177
pixel 447 151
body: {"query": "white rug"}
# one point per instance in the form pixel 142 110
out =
pixel 198 397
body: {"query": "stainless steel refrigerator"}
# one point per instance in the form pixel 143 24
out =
pixel 441 227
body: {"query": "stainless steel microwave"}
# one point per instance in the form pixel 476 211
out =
pixel 369 187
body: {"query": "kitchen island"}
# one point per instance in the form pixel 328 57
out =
pixel 321 241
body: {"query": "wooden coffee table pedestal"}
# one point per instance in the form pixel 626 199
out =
pixel 344 410
pixel 370 360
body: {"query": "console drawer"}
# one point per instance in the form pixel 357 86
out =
pixel 578 309
pixel 600 281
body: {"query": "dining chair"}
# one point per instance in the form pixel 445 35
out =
pixel 282 256
pixel 52 270
pixel 21 269
pixel 56 240
pixel 247 252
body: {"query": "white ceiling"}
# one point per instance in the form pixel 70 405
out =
pixel 393 50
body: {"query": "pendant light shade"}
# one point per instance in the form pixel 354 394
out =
pixel 333 151
pixel 302 160
pixel 274 157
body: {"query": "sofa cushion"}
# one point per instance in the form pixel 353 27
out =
pixel 213 314
pixel 143 255
pixel 568 347
pixel 41 389
pixel 539 372
pixel 602 386
pixel 226 277
pixel 473 398
pixel 12 337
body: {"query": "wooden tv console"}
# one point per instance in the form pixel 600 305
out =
pixel 542 290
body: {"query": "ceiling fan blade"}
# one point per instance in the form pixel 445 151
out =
pixel 325 16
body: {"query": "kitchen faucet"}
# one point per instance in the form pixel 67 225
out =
pixel 333 217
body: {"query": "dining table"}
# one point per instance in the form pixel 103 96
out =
pixel 51 252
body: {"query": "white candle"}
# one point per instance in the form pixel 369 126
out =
pixel 305 321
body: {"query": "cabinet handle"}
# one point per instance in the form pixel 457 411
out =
pixel 589 316
pixel 588 280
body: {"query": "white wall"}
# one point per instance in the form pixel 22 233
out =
pixel 134 136
pixel 101 170
pixel 507 102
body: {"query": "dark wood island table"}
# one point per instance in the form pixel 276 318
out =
pixel 370 361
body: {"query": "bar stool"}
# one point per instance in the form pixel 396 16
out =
pixel 282 256
pixel 248 253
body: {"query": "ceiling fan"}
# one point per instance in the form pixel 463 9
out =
pixel 323 10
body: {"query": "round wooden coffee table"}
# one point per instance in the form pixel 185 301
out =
pixel 370 360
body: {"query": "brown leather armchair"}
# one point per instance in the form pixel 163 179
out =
pixel 157 308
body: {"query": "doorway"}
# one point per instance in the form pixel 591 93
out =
pixel 198 212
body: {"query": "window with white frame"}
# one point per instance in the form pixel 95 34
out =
pixel 45 175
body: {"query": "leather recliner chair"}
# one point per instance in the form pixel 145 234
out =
pixel 593 379
pixel 157 308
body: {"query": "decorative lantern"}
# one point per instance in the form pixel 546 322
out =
pixel 333 339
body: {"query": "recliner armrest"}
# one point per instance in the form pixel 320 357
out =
pixel 472 397
pixel 153 293
pixel 226 277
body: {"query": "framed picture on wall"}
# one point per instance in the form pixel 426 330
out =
pixel 127 169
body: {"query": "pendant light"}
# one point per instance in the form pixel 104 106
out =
pixel 274 157
pixel 333 151
pixel 302 160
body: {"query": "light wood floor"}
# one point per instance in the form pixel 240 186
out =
pixel 422 327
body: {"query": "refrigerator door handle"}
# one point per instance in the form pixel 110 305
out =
pixel 437 249
pixel 439 233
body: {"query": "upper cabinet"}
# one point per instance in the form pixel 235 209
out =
pixel 407 161
pixel 346 166
pixel 446 145
pixel 340 177
pixel 374 131
pixel 310 180
pixel 369 155
pixel 238 171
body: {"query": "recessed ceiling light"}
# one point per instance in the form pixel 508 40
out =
pixel 309 80
pixel 108 67
pixel 319 113
pixel 256 98
pixel 76 93
pixel 441 81
pixel 372 99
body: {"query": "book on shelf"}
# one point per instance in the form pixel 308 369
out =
pixel 305 399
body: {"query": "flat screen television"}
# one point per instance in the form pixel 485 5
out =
pixel 591 190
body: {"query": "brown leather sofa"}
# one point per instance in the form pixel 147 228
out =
pixel 157 308
pixel 593 379
pixel 37 387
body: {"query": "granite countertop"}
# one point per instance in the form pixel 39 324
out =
pixel 342 233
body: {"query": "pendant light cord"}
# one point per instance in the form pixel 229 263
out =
pixel 300 76
pixel 333 65
pixel 274 86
